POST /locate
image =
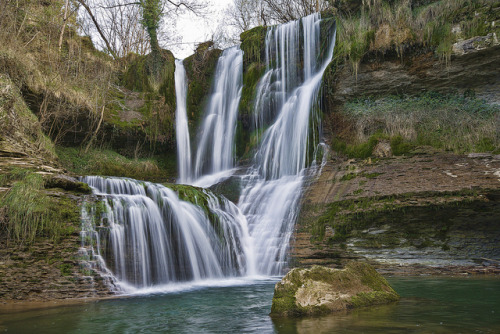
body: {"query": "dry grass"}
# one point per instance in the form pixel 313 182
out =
pixel 380 27
pixel 451 122
pixel 59 85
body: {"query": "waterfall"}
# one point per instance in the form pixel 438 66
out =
pixel 147 236
pixel 181 124
pixel 215 150
pixel 287 96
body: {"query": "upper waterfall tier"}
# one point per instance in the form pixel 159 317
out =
pixel 286 99
pixel 181 124
pixel 288 95
pixel 216 135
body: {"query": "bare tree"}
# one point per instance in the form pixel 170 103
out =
pixel 246 14
pixel 282 11
pixel 139 26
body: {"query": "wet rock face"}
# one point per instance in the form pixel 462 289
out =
pixel 46 271
pixel 473 66
pixel 406 215
pixel 321 290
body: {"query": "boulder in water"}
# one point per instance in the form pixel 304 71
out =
pixel 229 188
pixel 322 290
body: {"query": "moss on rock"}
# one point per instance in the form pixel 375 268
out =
pixel 200 71
pixel 322 290
pixel 254 46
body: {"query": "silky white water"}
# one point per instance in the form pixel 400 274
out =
pixel 145 237
pixel 181 124
pixel 287 96
pixel 214 152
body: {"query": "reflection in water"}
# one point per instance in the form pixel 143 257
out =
pixel 428 305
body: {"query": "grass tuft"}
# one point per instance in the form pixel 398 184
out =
pixel 27 212
pixel 109 163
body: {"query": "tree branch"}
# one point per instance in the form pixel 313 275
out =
pixel 82 2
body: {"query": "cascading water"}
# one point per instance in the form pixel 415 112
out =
pixel 181 124
pixel 216 135
pixel 270 198
pixel 148 236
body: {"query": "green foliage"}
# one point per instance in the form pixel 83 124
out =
pixel 253 45
pixel 151 13
pixel 399 146
pixel 110 163
pixel 66 269
pixel 348 176
pixel 461 123
pixel 27 212
pixel 362 150
pixel 381 25
pixel 14 174
pixel 355 38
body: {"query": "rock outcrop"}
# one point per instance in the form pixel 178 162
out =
pixel 431 212
pixel 321 290
pixel 470 68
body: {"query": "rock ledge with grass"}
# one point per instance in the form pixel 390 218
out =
pixel 321 290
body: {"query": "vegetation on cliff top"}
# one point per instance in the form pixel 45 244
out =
pixel 382 26
pixel 460 123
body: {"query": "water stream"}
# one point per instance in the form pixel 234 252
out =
pixel 273 186
pixel 147 237
pixel 181 124
pixel 215 149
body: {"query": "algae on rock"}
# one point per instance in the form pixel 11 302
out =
pixel 322 290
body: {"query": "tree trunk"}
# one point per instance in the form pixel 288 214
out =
pixel 66 10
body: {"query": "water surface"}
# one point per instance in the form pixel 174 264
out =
pixel 428 305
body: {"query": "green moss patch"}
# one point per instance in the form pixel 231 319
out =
pixel 110 163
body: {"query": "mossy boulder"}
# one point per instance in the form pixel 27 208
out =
pixel 321 290
pixel 66 182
